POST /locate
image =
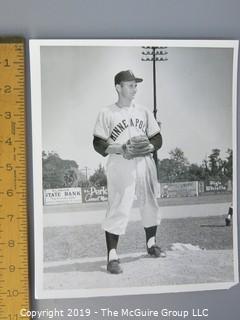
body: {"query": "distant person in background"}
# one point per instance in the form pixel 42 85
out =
pixel 228 220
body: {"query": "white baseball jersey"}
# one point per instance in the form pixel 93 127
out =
pixel 117 125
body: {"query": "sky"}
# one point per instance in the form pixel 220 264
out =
pixel 194 98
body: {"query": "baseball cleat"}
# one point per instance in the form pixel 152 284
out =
pixel 114 267
pixel 156 251
pixel 228 222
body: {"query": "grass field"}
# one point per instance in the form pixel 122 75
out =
pixel 72 242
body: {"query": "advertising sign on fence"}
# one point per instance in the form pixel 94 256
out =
pixel 179 189
pixel 62 196
pixel 215 186
pixel 94 194
pixel 100 194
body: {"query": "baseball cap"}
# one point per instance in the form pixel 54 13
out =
pixel 126 75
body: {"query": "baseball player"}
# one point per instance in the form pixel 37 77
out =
pixel 128 134
pixel 228 219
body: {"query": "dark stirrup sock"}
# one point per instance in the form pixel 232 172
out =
pixel 150 232
pixel 111 241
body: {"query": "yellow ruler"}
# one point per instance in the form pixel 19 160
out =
pixel 14 277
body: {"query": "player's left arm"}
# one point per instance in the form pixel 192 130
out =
pixel 156 141
pixel 153 131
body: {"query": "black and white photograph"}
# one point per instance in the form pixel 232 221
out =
pixel 134 166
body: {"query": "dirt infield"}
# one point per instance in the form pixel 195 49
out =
pixel 73 242
pixel 75 255
pixel 140 270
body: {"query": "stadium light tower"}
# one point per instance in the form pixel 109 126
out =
pixel 154 54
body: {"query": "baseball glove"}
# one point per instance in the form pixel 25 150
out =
pixel 138 146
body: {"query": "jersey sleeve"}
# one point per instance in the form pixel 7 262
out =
pixel 152 125
pixel 100 146
pixel 102 128
pixel 156 141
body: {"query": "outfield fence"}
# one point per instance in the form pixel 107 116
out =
pixel 166 190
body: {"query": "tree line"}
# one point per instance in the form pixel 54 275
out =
pixel 60 173
pixel 177 168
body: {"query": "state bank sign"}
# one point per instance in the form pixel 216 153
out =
pixel 62 196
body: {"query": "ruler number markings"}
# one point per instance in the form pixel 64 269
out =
pixel 13 208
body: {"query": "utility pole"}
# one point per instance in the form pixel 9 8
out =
pixel 154 54
pixel 86 169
